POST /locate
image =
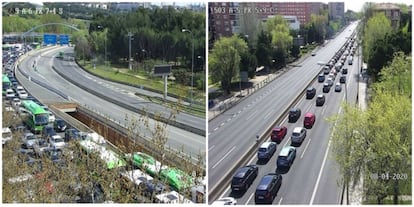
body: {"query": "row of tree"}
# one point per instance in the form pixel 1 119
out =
pixel 373 145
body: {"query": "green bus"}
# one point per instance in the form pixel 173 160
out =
pixel 176 178
pixel 37 117
pixel 6 83
pixel 109 157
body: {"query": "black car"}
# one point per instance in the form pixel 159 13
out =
pixel 48 131
pixel 267 189
pixel 344 70
pixel 60 125
pixel 342 79
pixel 310 92
pixel 244 177
pixel 326 87
pixel 338 87
pixel 321 78
pixel 71 134
pixel 320 100
pixel 294 114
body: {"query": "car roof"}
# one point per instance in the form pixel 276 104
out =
pixel 309 114
pixel 320 96
pixel 265 144
pixel 264 183
pixel 338 84
pixel 297 129
pixel 285 151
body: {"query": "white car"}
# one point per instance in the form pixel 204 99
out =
pixel 23 94
pixel 6 135
pixel 225 201
pixel 16 102
pixel 56 141
pixel 10 93
pixel 19 89
pixel 52 117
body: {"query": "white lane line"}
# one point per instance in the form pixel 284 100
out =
pixel 227 154
pixel 251 115
pixel 323 164
pixel 215 129
pixel 250 198
pixel 224 192
pixel 234 115
pixel 323 109
pixel 222 124
pixel 310 139
pixel 229 119
pixel 239 112
pixel 211 147
pixel 307 110
pixel 267 115
pixel 281 199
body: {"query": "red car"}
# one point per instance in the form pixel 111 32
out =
pixel 278 133
pixel 309 120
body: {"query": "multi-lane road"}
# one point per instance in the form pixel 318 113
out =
pixel 313 176
pixel 177 138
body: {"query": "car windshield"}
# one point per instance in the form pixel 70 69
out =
pixel 295 134
pixel 41 119
pixel 262 149
pixel 236 180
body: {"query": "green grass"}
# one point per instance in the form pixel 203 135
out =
pixel 141 78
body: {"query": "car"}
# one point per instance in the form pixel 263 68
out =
pixel 59 125
pixel 29 139
pixel 344 70
pixel 10 94
pixel 326 87
pixel 342 79
pixel 321 78
pixel 22 94
pixel 294 114
pixel 278 133
pixel 71 134
pixel 244 177
pixel 309 120
pixel 266 150
pixel 154 187
pixel 313 53
pixel 52 117
pixel 267 189
pixel 330 81
pixel 326 70
pixel 56 141
pixel 16 102
pixel 19 89
pixel 225 201
pixel 320 100
pixel 310 92
pixel 6 135
pixel 48 131
pixel 286 157
pixel 338 87
pixel 298 135
pixel 41 146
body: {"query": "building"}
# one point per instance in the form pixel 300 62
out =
pixel 336 10
pixel 391 11
pixel 228 18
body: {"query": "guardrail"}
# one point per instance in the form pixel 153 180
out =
pixel 134 109
pixel 225 180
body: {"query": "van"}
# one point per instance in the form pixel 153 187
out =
pixel 309 120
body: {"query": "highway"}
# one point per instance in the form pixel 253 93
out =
pixel 233 133
pixel 192 144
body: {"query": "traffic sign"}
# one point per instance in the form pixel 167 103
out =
pixel 64 39
pixel 49 39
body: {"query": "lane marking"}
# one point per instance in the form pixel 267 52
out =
pixel 268 114
pixel 251 115
pixel 310 139
pixel 211 147
pixel 250 198
pixel 227 154
pixel 281 199
pixel 222 124
pixel 224 192
pixel 215 129
pixel 323 164
pixel 229 119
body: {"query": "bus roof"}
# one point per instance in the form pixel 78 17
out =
pixel 6 79
pixel 33 107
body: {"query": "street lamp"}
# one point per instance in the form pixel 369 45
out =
pixel 202 58
pixel 143 56
pixel 192 64
pixel 129 60
pixel 102 27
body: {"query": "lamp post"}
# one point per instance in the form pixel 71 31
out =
pixel 129 59
pixel 143 56
pixel 102 27
pixel 192 64
pixel 202 58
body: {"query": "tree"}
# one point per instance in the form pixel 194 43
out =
pixel 280 33
pixel 224 60
pixel 264 48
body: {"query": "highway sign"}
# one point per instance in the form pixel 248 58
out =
pixel 49 39
pixel 64 39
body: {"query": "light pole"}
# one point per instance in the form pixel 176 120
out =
pixel 202 58
pixel 129 60
pixel 102 28
pixel 143 56
pixel 192 64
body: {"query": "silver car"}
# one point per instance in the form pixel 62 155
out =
pixel 298 135
pixel 29 140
